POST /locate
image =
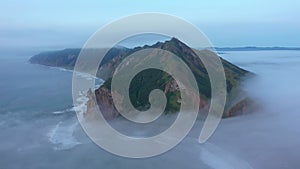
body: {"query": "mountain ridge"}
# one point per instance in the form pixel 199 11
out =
pixel 140 90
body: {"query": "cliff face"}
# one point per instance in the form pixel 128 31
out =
pixel 105 103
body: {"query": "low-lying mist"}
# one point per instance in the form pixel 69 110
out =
pixel 270 137
pixel 51 137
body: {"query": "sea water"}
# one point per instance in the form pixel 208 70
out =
pixel 39 128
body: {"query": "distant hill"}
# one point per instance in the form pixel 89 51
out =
pixel 148 80
pixel 253 48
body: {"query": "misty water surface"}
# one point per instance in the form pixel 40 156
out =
pixel 39 128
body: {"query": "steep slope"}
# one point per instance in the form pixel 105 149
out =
pixel 145 81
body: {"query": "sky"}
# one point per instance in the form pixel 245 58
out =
pixel 52 24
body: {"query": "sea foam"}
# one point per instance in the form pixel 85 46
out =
pixel 61 135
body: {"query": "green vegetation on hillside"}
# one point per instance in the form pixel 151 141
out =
pixel 144 82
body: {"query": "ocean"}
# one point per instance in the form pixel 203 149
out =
pixel 39 128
